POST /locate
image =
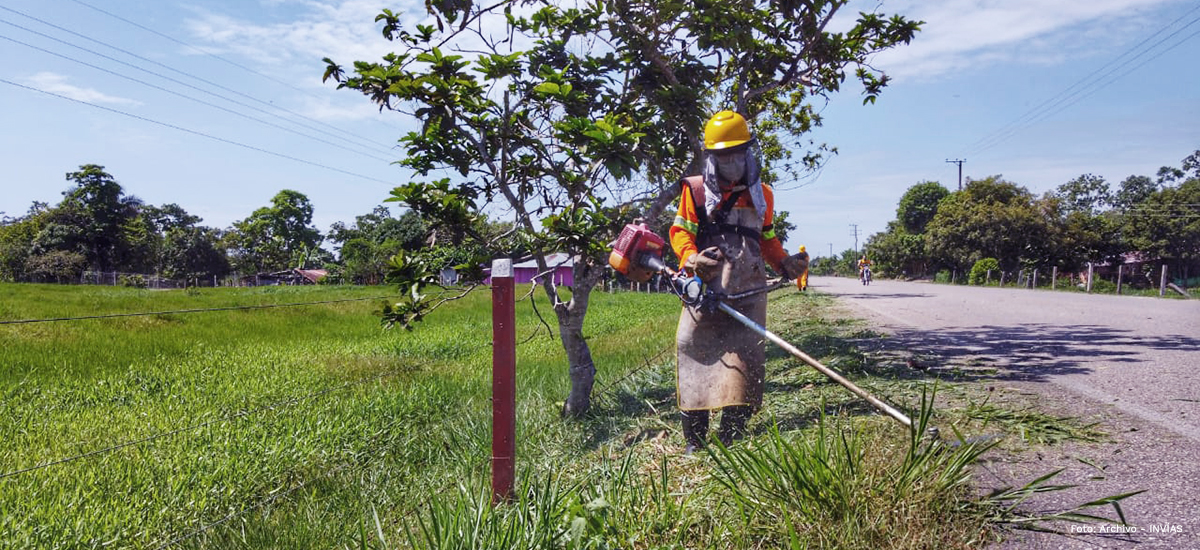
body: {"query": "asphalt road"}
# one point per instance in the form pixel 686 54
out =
pixel 1132 364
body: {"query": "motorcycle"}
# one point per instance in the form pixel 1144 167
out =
pixel 866 276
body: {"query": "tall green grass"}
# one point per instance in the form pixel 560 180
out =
pixel 311 427
pixel 316 402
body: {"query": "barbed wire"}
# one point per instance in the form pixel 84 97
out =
pixel 648 362
pixel 275 496
pixel 180 311
pixel 241 414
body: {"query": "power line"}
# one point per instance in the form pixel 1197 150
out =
pixel 361 141
pixel 1083 94
pixel 178 311
pixel 201 134
pixel 1046 107
pixel 172 92
pixel 219 58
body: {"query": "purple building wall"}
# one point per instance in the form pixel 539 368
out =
pixel 563 270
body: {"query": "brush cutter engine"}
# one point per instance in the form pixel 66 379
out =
pixel 635 251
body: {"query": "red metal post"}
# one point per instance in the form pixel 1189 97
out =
pixel 504 380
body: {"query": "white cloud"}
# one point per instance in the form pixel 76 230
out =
pixel 344 30
pixel 965 34
pixel 326 110
pixel 56 83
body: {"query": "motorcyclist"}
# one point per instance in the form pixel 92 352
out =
pixel 724 237
pixel 864 264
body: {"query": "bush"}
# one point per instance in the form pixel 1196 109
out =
pixel 1101 286
pixel 58 265
pixel 979 272
pixel 942 276
pixel 133 281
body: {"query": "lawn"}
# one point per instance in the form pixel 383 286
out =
pixel 312 427
pixel 221 410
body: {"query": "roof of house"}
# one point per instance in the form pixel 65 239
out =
pixel 558 259
pixel 312 274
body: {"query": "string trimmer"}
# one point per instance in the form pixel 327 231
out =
pixel 638 255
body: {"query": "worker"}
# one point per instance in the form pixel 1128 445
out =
pixel 723 233
pixel 802 280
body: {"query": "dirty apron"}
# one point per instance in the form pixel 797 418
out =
pixel 721 362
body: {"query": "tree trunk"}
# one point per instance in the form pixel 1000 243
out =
pixel 570 329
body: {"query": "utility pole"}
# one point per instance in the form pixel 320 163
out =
pixel 830 250
pixel 855 234
pixel 959 162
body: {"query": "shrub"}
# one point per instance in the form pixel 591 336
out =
pixel 58 265
pixel 1102 286
pixel 133 281
pixel 979 272
pixel 942 276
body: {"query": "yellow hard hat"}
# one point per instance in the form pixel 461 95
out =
pixel 802 249
pixel 724 130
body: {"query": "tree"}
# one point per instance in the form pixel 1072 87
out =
pixel 274 237
pixel 918 205
pixel 1086 194
pixel 1167 224
pixel 602 104
pixel 989 218
pixel 783 227
pixel 104 210
pixel 16 243
pixel 56 265
pixel 1132 191
pixel 192 253
pixel 409 230
pixel 897 252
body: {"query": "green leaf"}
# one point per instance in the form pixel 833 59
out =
pixel 548 88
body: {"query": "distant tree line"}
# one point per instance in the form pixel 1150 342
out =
pixel 1083 220
pixel 98 227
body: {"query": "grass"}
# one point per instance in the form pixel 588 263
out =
pixel 311 428
pixel 318 395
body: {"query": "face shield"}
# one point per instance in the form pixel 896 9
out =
pixel 732 167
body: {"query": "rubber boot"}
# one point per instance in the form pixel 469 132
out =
pixel 733 423
pixel 695 430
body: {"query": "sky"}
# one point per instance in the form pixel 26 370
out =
pixel 217 105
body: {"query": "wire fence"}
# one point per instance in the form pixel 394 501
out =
pixel 287 404
pixel 184 311
pixel 281 404
pixel 1099 279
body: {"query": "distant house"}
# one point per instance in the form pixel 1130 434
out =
pixel 561 270
pixel 285 277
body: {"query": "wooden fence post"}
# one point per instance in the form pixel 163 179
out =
pixel 1162 284
pixel 989 278
pixel 504 384
pixel 1035 279
pixel 1091 271
pixel 1053 277
pixel 1120 269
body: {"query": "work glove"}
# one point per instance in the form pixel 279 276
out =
pixel 794 266
pixel 706 264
